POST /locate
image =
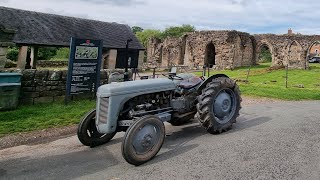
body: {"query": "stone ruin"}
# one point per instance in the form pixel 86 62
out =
pixel 230 49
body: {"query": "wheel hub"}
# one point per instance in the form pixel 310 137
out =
pixel 222 104
pixel 145 139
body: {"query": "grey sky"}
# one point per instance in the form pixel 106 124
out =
pixel 253 16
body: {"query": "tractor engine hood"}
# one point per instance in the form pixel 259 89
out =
pixel 133 87
pixel 112 97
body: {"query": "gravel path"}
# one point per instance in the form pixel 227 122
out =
pixel 48 135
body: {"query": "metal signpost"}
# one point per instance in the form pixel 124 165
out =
pixel 84 67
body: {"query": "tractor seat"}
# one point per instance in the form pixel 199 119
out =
pixel 190 83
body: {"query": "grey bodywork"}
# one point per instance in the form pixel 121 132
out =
pixel 112 97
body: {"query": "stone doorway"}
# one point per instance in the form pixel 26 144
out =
pixel 314 50
pixel 210 58
pixel 265 55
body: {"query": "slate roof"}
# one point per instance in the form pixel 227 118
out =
pixel 35 28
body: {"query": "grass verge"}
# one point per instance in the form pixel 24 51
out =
pixel 29 118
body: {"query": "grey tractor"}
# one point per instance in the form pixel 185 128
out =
pixel 140 108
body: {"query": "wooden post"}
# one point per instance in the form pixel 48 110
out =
pixel 154 73
pixel 287 67
pixel 34 57
pixel 247 79
pixel 112 58
pixel 22 57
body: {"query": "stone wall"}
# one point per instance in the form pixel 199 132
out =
pixel 45 86
pixel 228 49
pixel 291 50
pixel 47 63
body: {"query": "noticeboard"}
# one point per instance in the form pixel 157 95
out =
pixel 84 66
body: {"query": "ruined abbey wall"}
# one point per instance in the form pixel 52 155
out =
pixel 220 49
pixel 230 49
pixel 291 50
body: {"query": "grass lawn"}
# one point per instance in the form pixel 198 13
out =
pixel 263 82
pixel 29 118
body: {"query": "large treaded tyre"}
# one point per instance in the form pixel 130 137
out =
pixel 88 134
pixel 143 140
pixel 219 105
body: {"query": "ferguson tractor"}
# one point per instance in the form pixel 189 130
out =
pixel 139 108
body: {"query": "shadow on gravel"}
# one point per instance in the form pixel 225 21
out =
pixel 244 123
pixel 66 166
pixel 176 143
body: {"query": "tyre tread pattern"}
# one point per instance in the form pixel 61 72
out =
pixel 205 114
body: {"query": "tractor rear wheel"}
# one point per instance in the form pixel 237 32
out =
pixel 143 140
pixel 88 134
pixel 219 105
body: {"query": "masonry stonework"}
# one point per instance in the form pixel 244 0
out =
pixel 230 49
pixel 290 49
pixel 45 86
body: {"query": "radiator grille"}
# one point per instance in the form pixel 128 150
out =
pixel 103 111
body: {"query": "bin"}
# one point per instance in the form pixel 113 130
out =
pixel 10 84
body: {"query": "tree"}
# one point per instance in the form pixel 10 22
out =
pixel 146 35
pixel 136 29
pixel 177 31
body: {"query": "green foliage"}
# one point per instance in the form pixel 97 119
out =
pixel 147 34
pixel 35 117
pixel 61 54
pixel 12 53
pixel 265 55
pixel 136 29
pixel 177 31
pixel 46 53
pixel 264 82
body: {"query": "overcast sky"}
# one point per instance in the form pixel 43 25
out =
pixel 253 16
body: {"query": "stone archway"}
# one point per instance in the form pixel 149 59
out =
pixel 314 50
pixel 210 55
pixel 267 48
pixel 265 55
pixel 295 53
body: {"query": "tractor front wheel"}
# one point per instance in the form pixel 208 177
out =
pixel 88 134
pixel 143 140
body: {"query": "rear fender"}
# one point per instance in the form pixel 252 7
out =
pixel 204 83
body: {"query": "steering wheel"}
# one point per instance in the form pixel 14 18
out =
pixel 173 76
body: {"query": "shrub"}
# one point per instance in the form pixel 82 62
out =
pixel 12 53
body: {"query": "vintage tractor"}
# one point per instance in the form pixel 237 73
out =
pixel 141 107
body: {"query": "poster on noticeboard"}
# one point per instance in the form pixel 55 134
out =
pixel 84 67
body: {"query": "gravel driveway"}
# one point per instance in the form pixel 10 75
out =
pixel 271 140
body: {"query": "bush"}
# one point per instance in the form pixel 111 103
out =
pixel 46 53
pixel 12 53
pixel 62 54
